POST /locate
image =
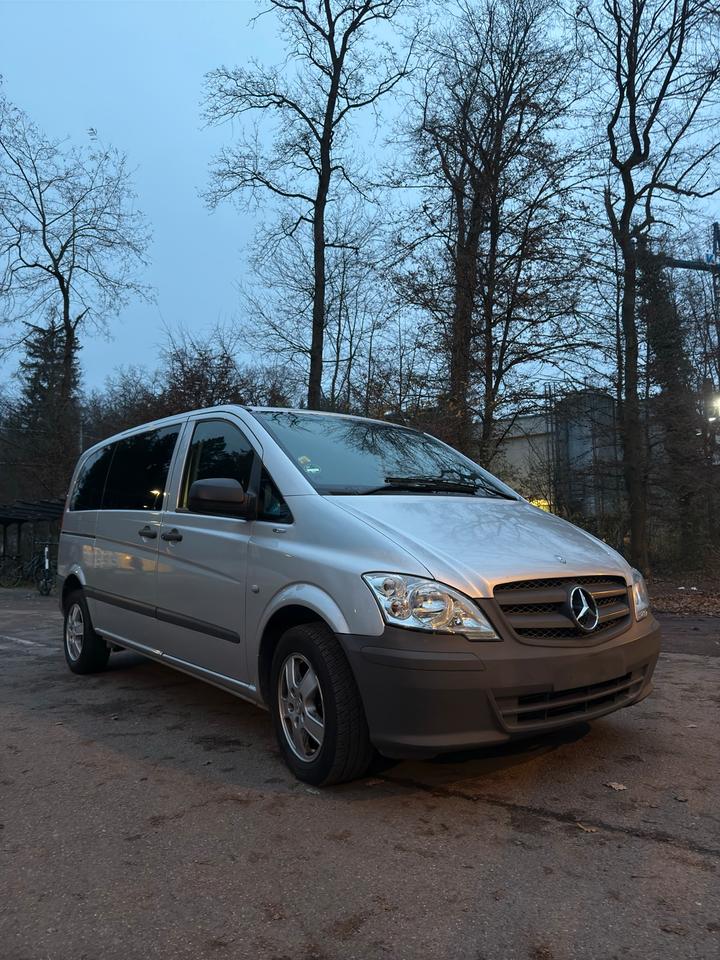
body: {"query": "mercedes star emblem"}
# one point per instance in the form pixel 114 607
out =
pixel 584 609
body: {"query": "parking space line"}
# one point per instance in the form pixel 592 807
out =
pixel 22 613
pixel 23 641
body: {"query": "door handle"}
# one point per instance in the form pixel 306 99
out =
pixel 174 536
pixel 148 532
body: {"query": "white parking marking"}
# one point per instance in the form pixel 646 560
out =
pixel 22 640
pixel 21 613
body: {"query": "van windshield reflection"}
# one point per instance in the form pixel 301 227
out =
pixel 351 456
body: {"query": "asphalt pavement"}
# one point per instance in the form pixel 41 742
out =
pixel 144 814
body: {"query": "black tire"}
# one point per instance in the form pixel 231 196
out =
pixel 85 651
pixel 346 751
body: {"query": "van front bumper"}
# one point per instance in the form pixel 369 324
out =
pixel 426 694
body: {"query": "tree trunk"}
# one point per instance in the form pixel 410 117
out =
pixel 314 396
pixel 459 374
pixel 489 297
pixel 69 348
pixel 465 289
pixel 633 435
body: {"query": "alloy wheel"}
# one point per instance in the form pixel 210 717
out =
pixel 302 711
pixel 74 631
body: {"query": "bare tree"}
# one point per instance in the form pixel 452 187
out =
pixel 201 370
pixel 129 397
pixel 279 302
pixel 71 240
pixel 195 370
pixel 341 65
pixel 488 244
pixel 657 73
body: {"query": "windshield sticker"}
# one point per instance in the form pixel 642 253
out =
pixel 307 465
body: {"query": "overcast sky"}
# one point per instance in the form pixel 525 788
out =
pixel 134 71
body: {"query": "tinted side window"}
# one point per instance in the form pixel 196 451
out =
pixel 90 483
pixel 218 449
pixel 271 505
pixel 139 469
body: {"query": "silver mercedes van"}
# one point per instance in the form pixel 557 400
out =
pixel 372 587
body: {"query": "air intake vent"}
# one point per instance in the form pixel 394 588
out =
pixel 526 711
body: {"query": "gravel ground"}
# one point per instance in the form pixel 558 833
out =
pixel 145 814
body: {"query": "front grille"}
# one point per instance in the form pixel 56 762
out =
pixel 539 610
pixel 557 582
pixel 522 711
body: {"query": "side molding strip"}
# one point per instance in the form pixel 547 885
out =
pixel 166 616
pixel 190 623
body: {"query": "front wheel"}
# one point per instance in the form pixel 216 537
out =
pixel 85 651
pixel 317 711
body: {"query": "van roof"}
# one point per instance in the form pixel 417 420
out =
pixel 230 408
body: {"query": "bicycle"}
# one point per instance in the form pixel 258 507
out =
pixel 11 571
pixel 41 568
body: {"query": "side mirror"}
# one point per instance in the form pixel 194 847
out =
pixel 220 495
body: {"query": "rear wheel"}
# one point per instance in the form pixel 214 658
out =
pixel 85 651
pixel 44 583
pixel 317 711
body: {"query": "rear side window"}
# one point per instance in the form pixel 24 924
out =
pixel 139 470
pixel 218 449
pixel 89 486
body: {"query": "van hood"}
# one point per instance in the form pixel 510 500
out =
pixel 474 543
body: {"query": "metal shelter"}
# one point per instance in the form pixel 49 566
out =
pixel 20 512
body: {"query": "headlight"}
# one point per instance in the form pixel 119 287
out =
pixel 640 595
pixel 427 605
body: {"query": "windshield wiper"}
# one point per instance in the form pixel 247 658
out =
pixel 432 483
pixel 420 483
pixel 438 485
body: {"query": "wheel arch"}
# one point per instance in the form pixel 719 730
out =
pixel 71 583
pixel 281 620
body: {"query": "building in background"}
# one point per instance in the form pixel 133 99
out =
pixel 567 457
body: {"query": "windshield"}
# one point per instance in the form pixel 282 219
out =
pixel 348 455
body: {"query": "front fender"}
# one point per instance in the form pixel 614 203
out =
pixel 310 596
